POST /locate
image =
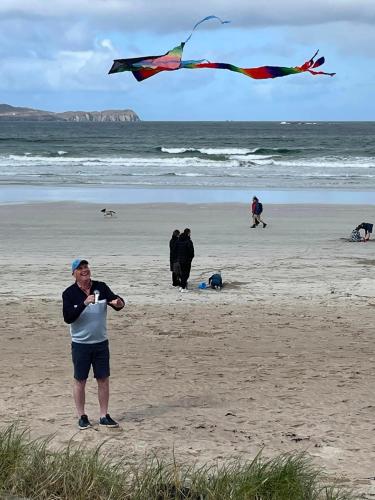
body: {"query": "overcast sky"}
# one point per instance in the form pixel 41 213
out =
pixel 55 55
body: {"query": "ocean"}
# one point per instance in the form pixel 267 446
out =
pixel 287 162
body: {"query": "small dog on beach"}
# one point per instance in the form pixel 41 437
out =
pixel 108 213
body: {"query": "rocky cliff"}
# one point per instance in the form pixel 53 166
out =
pixel 11 113
pixel 109 115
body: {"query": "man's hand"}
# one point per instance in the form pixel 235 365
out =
pixel 90 299
pixel 118 303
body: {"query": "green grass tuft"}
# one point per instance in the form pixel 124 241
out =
pixel 29 469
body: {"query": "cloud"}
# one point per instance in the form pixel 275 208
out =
pixel 168 15
pixel 106 44
pixel 65 47
pixel 43 28
pixel 66 71
pixel 361 43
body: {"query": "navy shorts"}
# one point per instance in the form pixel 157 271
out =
pixel 85 355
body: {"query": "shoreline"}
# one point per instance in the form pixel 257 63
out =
pixel 125 195
pixel 138 236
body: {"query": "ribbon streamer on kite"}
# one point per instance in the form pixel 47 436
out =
pixel 145 67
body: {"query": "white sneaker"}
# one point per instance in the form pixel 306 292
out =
pixel 184 290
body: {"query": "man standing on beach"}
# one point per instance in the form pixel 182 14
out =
pixel 85 310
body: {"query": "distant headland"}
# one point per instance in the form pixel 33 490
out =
pixel 11 113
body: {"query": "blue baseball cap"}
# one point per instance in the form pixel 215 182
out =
pixel 77 262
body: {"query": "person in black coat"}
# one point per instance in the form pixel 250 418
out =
pixel 185 255
pixel 173 261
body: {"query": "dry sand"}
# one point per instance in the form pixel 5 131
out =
pixel 282 359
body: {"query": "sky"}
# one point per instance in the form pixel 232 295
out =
pixel 55 55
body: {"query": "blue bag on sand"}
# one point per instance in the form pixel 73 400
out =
pixel 202 285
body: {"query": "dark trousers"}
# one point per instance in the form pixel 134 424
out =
pixel 185 272
pixel 176 279
pixel 176 273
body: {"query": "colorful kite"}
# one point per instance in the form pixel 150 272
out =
pixel 145 67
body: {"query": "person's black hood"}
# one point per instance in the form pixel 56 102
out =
pixel 185 248
pixel 184 237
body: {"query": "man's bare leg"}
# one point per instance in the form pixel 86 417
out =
pixel 103 395
pixel 79 395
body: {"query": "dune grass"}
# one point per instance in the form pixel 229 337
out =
pixel 29 469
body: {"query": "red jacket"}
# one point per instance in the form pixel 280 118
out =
pixel 253 207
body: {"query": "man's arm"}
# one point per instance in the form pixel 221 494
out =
pixel 113 300
pixel 71 311
pixel 117 304
pixel 191 250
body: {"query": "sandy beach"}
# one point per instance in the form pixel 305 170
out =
pixel 282 359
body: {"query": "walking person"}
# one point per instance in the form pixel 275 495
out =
pixel 256 211
pixel 85 310
pixel 185 255
pixel 173 261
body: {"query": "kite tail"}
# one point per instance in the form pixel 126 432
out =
pixel 202 21
pixel 313 57
pixel 309 65
pixel 319 62
pixel 320 73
